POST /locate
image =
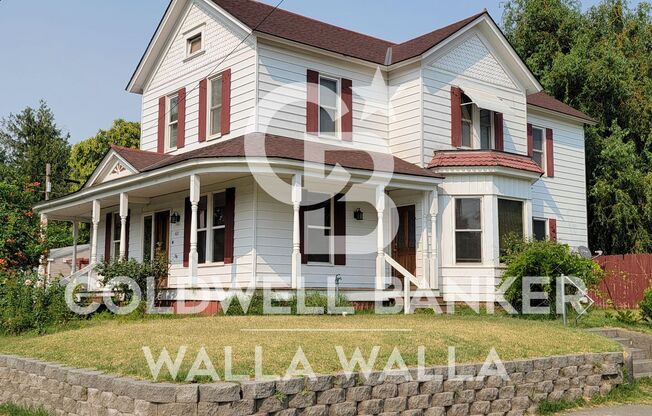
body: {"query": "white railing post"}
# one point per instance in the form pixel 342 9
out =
pixel 95 222
pixel 434 252
pixel 124 211
pixel 380 255
pixel 195 195
pixel 296 232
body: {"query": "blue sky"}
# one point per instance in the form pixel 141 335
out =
pixel 78 55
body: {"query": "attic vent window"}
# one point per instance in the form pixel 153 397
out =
pixel 194 44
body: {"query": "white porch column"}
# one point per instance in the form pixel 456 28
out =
pixel 296 232
pixel 193 257
pixel 95 221
pixel 527 219
pixel 75 237
pixel 380 256
pixel 124 211
pixel 433 254
pixel 43 263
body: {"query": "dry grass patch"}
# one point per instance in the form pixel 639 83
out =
pixel 116 347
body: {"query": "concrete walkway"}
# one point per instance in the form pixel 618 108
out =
pixel 629 410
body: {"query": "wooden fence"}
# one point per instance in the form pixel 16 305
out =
pixel 627 277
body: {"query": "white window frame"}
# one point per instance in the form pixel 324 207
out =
pixel 152 214
pixel 338 110
pixel 209 229
pixel 543 147
pixel 331 240
pixel 189 35
pixel 209 213
pixel 211 107
pixel 481 230
pixel 524 218
pixel 169 122
pixel 492 130
pixel 115 222
pixel 472 108
pixel 545 227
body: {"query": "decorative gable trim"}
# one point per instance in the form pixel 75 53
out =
pixel 112 167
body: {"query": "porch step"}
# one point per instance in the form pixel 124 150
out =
pixel 637 353
pixel 605 332
pixel 625 342
pixel 642 367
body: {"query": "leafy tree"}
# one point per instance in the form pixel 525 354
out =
pixel 600 62
pixel 86 155
pixel 30 140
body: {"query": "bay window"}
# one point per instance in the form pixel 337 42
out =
pixel 468 230
pixel 510 222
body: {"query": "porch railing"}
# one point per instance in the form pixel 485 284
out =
pixel 408 280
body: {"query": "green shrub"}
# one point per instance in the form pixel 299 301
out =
pixel 546 259
pixel 646 304
pixel 28 304
pixel 256 305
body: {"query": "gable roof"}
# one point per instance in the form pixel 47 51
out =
pixel 470 158
pixel 139 159
pixel 543 100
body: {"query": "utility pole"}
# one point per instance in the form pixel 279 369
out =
pixel 48 184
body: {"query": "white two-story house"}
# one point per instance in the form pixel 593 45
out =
pixel 284 152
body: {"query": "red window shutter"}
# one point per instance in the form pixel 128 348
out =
pixel 181 130
pixel 226 102
pixel 550 153
pixel 203 109
pixel 456 117
pixel 302 232
pixel 340 231
pixel 107 237
pixel 160 148
pixel 127 237
pixel 187 223
pixel 312 102
pixel 347 110
pixel 530 141
pixel 229 225
pixel 499 131
pixel 552 229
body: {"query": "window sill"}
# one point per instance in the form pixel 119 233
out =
pixel 320 264
pixel 207 265
pixel 194 55
pixel 215 137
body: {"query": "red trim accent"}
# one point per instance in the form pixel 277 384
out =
pixel 302 232
pixel 107 237
pixel 552 229
pixel 229 225
pixel 347 110
pixel 456 117
pixel 181 128
pixel 203 109
pixel 312 102
pixel 530 141
pixel 499 131
pixel 226 102
pixel 484 158
pixel 340 231
pixel 160 148
pixel 187 218
pixel 550 153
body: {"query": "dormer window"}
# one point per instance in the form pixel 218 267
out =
pixel 194 44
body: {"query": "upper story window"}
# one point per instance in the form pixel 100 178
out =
pixel 538 151
pixel 194 44
pixel 173 122
pixel 328 106
pixel 467 122
pixel 468 230
pixel 215 106
pixel 486 129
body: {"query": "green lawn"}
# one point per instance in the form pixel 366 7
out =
pixel 116 346
pixel 12 410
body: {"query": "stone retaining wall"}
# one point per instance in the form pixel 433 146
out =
pixel 75 392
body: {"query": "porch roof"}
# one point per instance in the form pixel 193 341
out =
pixel 272 146
pixel 474 158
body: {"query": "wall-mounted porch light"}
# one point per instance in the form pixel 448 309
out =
pixel 175 217
pixel 358 215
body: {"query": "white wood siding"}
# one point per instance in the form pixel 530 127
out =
pixel 222 38
pixel 405 114
pixel 564 196
pixel 282 96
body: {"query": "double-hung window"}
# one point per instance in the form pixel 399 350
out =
pixel 202 228
pixel 468 230
pixel 115 235
pixel 215 107
pixel 211 228
pixel 467 122
pixel 510 222
pixel 173 121
pixel 486 129
pixel 538 152
pixel 218 226
pixel 318 219
pixel 328 106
